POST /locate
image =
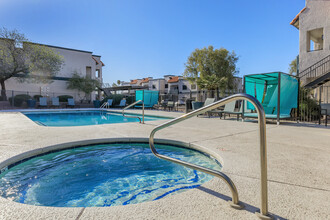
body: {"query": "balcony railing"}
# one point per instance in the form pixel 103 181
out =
pixel 315 71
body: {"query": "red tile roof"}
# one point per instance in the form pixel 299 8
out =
pixel 297 17
pixel 173 79
pixel 97 62
pixel 134 81
pixel 145 80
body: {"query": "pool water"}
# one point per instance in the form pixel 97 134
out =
pixel 81 118
pixel 103 175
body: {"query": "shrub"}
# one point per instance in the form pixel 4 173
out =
pixel 117 98
pixel 130 100
pixel 19 99
pixel 64 98
pixel 37 97
pixel 309 107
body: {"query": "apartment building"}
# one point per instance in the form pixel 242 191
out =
pixel 174 85
pixel 313 23
pixel 84 63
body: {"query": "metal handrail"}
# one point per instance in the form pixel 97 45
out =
pixel 129 116
pixel 314 66
pixel 262 141
pixel 105 105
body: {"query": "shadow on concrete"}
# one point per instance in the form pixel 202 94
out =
pixel 307 125
pixel 282 122
pixel 247 207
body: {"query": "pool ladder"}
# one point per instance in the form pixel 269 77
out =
pixel 105 105
pixel 130 116
pixel 262 142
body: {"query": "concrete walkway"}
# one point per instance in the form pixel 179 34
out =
pixel 298 168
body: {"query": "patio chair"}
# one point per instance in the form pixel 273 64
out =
pixel 55 102
pixel 232 111
pixel 229 109
pixel 163 104
pixel 170 105
pixel 70 103
pixel 122 103
pixel 196 105
pixel 110 101
pixel 207 102
pixel 43 102
pixel 325 111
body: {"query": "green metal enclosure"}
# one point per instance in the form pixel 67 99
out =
pixel 150 98
pixel 276 91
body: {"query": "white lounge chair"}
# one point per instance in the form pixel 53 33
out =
pixel 55 102
pixel 42 102
pixel 71 103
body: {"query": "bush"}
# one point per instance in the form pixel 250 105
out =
pixel 117 98
pixel 64 98
pixel 37 97
pixel 309 107
pixel 19 99
pixel 130 100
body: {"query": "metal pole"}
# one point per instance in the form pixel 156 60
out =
pixel 12 97
pixel 278 98
pixel 142 112
pixel 243 101
pixel 298 98
pixel 320 91
pixel 142 106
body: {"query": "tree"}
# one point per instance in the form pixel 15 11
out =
pixel 293 67
pixel 212 69
pixel 116 84
pixel 25 60
pixel 83 84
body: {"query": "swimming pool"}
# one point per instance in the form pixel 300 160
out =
pixel 81 118
pixel 103 175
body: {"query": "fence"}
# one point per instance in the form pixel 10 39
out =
pixel 20 99
pixel 309 109
pixel 318 69
pixel 310 101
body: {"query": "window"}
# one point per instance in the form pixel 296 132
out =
pixel 88 72
pixel 193 86
pixel 98 73
pixel 184 87
pixel 166 86
pixel 153 86
pixel 18 44
pixel 315 40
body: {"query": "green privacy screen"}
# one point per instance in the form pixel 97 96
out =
pixel 150 98
pixel 265 88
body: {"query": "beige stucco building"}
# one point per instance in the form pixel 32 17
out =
pixel 313 23
pixel 176 85
pixel 75 61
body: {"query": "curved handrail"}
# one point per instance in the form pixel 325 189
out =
pixel 262 142
pixel 105 105
pixel 128 116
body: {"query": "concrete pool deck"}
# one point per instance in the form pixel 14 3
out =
pixel 298 168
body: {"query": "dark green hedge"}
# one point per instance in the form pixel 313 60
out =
pixel 117 98
pixel 19 99
pixel 64 98
pixel 37 97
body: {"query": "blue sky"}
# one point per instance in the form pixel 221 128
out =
pixel 140 38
